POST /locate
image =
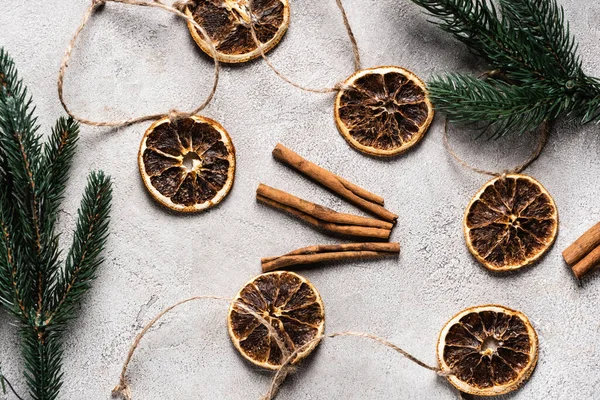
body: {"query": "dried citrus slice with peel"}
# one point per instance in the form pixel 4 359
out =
pixel 292 308
pixel 227 23
pixel 490 350
pixel 187 165
pixel 510 223
pixel 383 111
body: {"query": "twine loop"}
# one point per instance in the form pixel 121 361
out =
pixel 172 114
pixel 338 86
pixel 544 134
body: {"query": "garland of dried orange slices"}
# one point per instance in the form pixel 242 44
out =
pixel 187 163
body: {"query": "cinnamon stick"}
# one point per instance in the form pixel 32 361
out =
pixel 582 246
pixel 355 194
pixel 317 211
pixel 587 263
pixel 342 229
pixel 322 253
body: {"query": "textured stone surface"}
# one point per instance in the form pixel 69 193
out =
pixel 133 61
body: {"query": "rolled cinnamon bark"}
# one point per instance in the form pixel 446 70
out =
pixel 348 230
pixel 318 211
pixel 582 246
pixel 355 194
pixel 323 253
pixel 587 264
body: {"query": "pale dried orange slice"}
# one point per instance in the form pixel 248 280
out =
pixel 383 111
pixel 187 165
pixel 510 223
pixel 293 310
pixel 489 350
pixel 227 23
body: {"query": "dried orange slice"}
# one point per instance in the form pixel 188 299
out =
pixel 187 165
pixel 490 350
pixel 227 23
pixel 383 111
pixel 291 306
pixel 510 223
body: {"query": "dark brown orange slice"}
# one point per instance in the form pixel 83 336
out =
pixel 187 165
pixel 293 310
pixel 489 350
pixel 227 23
pixel 383 111
pixel 510 223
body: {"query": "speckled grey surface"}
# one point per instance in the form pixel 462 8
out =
pixel 132 61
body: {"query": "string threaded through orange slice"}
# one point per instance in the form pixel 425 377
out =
pixel 510 223
pixel 291 306
pixel 490 350
pixel 383 111
pixel 187 165
pixel 227 23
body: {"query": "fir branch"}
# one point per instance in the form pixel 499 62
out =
pixel 499 106
pixel 84 258
pixel 58 157
pixel 528 43
pixel 21 150
pixel 34 286
pixel 478 25
pixel 42 353
pixel 545 21
pixel 13 285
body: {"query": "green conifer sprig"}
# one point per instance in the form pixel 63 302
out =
pixel 36 287
pixel 535 72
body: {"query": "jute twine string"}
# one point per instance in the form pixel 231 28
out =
pixel 336 87
pixel 544 133
pixel 172 114
pixel 123 389
pixel 286 368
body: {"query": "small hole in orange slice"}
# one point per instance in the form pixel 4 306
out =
pixel 191 161
pixel 489 345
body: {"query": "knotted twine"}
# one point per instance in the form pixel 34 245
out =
pixel 173 114
pixel 123 390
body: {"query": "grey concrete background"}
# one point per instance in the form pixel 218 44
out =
pixel 132 61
